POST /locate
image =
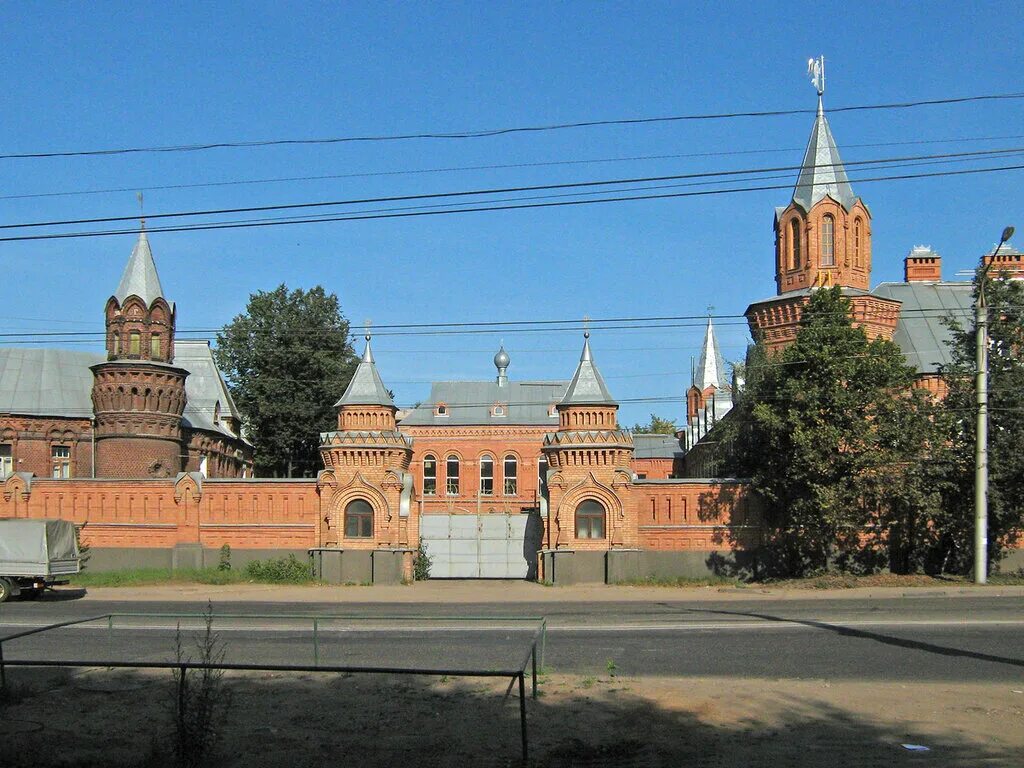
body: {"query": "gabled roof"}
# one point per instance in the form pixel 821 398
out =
pixel 822 171
pixel 140 277
pixel 921 331
pixel 472 402
pixel 587 386
pixel 366 387
pixel 710 370
pixel 654 446
pixel 204 387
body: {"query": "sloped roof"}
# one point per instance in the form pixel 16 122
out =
pixel 58 382
pixel 366 387
pixel 587 386
pixel 140 277
pixel 471 402
pixel 646 446
pixel 204 387
pixel 822 171
pixel 921 332
pixel 710 370
pixel 50 382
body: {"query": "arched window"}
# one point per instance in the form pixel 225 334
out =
pixel 154 346
pixel 542 475
pixel 828 241
pixel 857 257
pixel 486 476
pixel 442 409
pixel 590 520
pixel 794 244
pixel 451 487
pixel 134 343
pixel 429 475
pixel 511 476
pixel 358 520
pixel 117 344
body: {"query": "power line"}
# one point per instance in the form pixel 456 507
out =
pixel 498 166
pixel 356 216
pixel 979 154
pixel 488 133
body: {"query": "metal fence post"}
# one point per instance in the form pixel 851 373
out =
pixel 543 640
pixel 522 715
pixel 533 660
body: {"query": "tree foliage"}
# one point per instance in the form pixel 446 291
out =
pixel 1005 299
pixel 656 426
pixel 287 360
pixel 836 442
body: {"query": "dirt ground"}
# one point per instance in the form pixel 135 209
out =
pixel 124 719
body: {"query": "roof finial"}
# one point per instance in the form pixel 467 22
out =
pixel 142 210
pixel 367 354
pixel 586 326
pixel 816 71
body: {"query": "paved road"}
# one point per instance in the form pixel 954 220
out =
pixel 916 638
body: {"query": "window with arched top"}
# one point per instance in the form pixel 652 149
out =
pixel 794 244
pixel 486 476
pixel 590 520
pixel 511 476
pixel 358 519
pixel 451 487
pixel 828 241
pixel 134 343
pixel 441 410
pixel 542 475
pixel 429 475
pixel 858 258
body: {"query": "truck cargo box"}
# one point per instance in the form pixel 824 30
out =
pixel 32 548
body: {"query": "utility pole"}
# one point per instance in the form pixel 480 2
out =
pixel 981 433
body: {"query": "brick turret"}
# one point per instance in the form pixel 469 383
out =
pixel 138 394
pixel 366 488
pixel 589 458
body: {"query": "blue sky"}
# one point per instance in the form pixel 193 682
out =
pixel 99 75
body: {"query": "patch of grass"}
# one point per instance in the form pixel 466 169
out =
pixel 283 570
pixel 588 682
pixel 1013 579
pixel 682 581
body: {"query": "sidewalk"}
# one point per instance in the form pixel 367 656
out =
pixel 500 592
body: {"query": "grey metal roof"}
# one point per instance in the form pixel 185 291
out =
pixel 140 277
pixel 472 402
pixel 50 382
pixel 58 382
pixel 822 172
pixel 922 335
pixel 710 370
pixel 587 386
pixel 656 446
pixel 366 387
pixel 204 387
pixel 845 290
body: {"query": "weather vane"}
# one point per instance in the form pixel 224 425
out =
pixel 816 71
pixel 142 210
pixel 586 326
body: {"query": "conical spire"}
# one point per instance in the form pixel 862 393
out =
pixel 822 172
pixel 711 368
pixel 140 277
pixel 366 387
pixel 587 386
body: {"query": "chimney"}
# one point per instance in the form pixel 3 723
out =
pixel 1008 264
pixel 922 265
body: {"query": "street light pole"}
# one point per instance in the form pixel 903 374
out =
pixel 981 435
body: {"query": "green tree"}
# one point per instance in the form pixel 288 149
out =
pixel 1005 299
pixel 656 426
pixel 287 360
pixel 834 438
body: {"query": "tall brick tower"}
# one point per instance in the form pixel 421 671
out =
pixel 138 395
pixel 366 488
pixel 589 461
pixel 822 239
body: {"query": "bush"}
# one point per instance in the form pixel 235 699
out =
pixel 280 570
pixel 421 564
pixel 224 561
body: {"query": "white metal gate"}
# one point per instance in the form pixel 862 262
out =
pixel 476 546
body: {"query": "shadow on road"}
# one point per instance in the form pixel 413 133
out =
pixel 839 629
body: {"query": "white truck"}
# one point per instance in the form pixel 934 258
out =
pixel 34 555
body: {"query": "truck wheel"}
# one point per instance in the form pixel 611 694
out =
pixel 5 590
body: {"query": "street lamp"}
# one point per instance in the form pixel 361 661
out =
pixel 981 436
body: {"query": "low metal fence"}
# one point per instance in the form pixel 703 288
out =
pixel 516 674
